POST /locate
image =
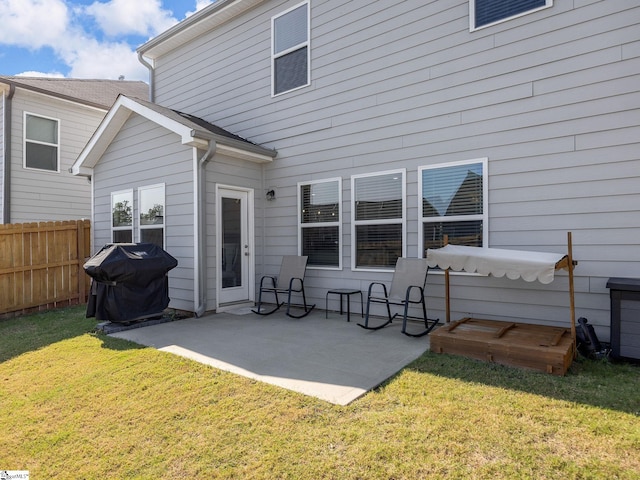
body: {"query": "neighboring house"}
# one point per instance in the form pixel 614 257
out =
pixel 44 125
pixel 499 123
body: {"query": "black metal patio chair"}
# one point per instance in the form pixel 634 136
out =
pixel 289 280
pixel 407 288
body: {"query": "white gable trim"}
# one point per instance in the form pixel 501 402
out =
pixel 120 113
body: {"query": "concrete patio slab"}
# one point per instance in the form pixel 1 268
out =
pixel 331 359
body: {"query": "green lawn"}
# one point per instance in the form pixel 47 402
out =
pixel 74 404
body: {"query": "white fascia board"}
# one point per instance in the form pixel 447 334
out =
pixel 114 121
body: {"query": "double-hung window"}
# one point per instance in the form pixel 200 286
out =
pixel 483 13
pixel 41 143
pixel 320 224
pixel 122 216
pixel 379 225
pixel 290 66
pixel 151 202
pixel 453 203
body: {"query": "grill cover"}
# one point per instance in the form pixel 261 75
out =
pixel 129 282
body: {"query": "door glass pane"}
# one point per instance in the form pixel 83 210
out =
pixel 231 242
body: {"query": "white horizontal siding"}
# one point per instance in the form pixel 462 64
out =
pixel 551 98
pixel 145 154
pixel 47 196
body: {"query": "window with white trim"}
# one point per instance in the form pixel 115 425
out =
pixel 453 203
pixel 483 13
pixel 122 216
pixel 41 143
pixel 319 221
pixel 290 66
pixel 151 206
pixel 379 227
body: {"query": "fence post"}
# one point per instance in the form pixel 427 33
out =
pixel 82 293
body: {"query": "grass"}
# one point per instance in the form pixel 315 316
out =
pixel 75 404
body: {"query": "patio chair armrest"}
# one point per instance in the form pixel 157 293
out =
pixel 291 284
pixel 372 284
pixel 273 281
pixel 407 298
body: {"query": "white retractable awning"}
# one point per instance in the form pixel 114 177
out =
pixel 529 266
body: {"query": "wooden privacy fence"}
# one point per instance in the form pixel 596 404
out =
pixel 41 265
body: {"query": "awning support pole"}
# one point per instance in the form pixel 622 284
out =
pixel 572 303
pixel 447 297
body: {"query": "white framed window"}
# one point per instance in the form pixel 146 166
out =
pixel 453 201
pixel 320 222
pixel 122 216
pixel 483 13
pixel 378 229
pixel 41 143
pixel 290 63
pixel 151 208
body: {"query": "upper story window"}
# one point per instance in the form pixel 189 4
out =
pixel 290 49
pixel 41 143
pixel 453 204
pixel 379 225
pixel 488 12
pixel 151 201
pixel 320 223
pixel 122 216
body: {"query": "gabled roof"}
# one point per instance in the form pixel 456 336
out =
pixel 193 131
pixel 197 24
pixel 96 93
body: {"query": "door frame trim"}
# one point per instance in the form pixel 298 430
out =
pixel 250 241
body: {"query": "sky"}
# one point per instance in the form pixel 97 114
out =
pixel 83 38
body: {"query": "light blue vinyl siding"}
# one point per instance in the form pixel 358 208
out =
pixel 551 99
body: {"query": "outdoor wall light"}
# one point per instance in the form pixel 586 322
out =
pixel 271 195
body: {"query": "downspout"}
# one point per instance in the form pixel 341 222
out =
pixel 6 196
pixel 199 229
pixel 152 86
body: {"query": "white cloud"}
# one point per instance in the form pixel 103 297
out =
pixel 32 24
pixel 126 17
pixel 33 73
pixel 104 60
pixel 63 26
pixel 200 4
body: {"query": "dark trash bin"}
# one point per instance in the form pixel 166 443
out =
pixel 129 282
pixel 625 318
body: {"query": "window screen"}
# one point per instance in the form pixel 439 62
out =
pixel 122 217
pixel 41 143
pixel 290 53
pixel 151 206
pixel 320 224
pixel 453 204
pixel 378 206
pixel 490 11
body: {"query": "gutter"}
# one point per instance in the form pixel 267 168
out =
pixel 152 86
pixel 6 196
pixel 199 230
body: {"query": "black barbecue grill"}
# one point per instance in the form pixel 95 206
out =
pixel 129 282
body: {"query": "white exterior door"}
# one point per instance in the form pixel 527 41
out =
pixel 235 265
